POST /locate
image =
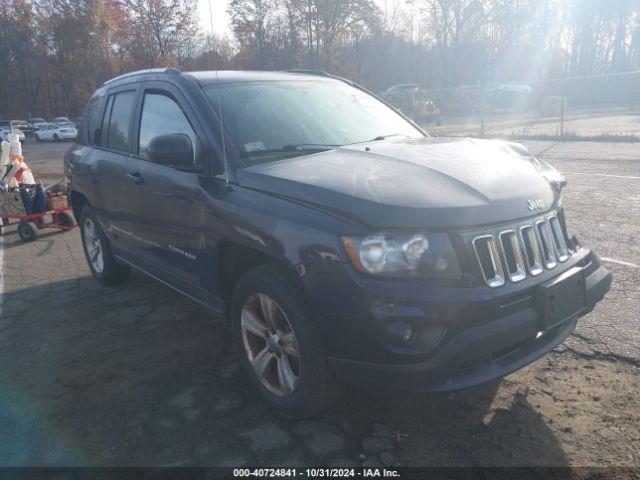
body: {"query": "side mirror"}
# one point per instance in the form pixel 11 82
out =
pixel 173 150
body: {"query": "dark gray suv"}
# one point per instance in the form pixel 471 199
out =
pixel 340 241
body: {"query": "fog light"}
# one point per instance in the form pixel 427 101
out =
pixel 400 331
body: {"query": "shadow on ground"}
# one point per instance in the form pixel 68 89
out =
pixel 12 240
pixel 138 375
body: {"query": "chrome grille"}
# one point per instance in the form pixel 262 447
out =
pixel 546 244
pixel 523 250
pixel 559 241
pixel 532 250
pixel 513 259
pixel 489 258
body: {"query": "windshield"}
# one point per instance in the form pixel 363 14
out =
pixel 270 120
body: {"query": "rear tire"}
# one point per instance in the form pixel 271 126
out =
pixel 97 250
pixel 315 387
pixel 28 231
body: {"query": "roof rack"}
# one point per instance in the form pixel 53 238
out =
pixel 172 70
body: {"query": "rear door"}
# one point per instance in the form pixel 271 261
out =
pixel 109 159
pixel 169 223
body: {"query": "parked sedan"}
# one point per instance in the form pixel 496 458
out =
pixel 22 125
pixel 4 134
pixel 61 120
pixel 33 121
pixel 55 132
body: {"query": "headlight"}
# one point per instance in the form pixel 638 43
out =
pixel 417 255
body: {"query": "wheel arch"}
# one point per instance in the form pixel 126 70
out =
pixel 234 260
pixel 77 201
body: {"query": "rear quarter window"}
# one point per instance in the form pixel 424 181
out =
pixel 92 116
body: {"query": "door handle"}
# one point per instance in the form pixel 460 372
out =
pixel 135 178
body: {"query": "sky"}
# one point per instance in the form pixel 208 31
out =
pixel 221 23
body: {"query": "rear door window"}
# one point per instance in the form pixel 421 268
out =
pixel 120 123
pixel 116 124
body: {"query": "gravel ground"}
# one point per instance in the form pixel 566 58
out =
pixel 594 124
pixel 138 375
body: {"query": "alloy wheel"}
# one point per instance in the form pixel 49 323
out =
pixel 93 245
pixel 270 344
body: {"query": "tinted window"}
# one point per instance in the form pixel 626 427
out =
pixel 120 121
pixel 92 119
pixel 161 115
pixel 101 137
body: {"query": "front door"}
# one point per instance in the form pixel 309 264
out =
pixel 169 223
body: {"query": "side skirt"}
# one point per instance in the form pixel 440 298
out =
pixel 217 308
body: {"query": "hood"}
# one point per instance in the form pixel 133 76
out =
pixel 426 182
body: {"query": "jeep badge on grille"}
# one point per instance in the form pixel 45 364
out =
pixel 535 205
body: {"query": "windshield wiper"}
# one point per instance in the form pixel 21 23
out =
pixel 384 137
pixel 309 146
pixel 292 149
pixel 380 138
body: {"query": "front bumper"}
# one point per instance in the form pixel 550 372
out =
pixel 478 334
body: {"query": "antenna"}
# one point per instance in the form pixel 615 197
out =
pixel 542 152
pixel 224 146
pixel 211 21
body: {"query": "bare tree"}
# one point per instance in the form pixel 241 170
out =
pixel 160 29
pixel 53 53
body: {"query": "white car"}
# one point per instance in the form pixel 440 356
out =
pixel 60 120
pixel 55 132
pixel 4 134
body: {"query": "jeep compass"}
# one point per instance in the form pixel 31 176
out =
pixel 339 240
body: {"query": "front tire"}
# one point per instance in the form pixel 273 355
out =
pixel 97 250
pixel 281 349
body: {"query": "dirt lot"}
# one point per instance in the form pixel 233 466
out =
pixel 623 122
pixel 138 375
